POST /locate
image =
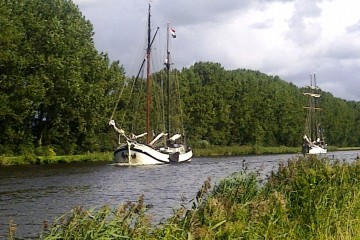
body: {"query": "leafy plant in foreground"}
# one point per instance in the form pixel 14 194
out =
pixel 128 221
pixel 307 198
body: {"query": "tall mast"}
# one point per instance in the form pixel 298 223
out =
pixel 312 127
pixel 318 117
pixel 167 64
pixel 312 109
pixel 148 81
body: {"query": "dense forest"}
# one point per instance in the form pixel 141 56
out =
pixel 57 92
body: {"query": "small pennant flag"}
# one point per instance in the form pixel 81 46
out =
pixel 173 33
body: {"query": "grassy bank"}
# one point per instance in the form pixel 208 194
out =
pixel 307 198
pixel 213 151
pixel 51 159
pixel 209 151
pixel 348 148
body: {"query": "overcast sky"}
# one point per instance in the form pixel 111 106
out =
pixel 288 38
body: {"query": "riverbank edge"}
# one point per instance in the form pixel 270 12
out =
pixel 212 151
pixel 240 207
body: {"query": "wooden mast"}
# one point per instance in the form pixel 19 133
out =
pixel 167 64
pixel 148 81
pixel 312 125
pixel 318 127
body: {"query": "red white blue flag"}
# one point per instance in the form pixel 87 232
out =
pixel 173 33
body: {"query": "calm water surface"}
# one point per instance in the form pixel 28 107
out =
pixel 31 194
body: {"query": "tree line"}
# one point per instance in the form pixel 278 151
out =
pixel 57 92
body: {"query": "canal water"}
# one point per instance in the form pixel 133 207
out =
pixel 31 194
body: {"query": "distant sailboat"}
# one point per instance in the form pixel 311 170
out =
pixel 314 139
pixel 134 152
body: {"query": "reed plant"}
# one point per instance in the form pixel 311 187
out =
pixel 322 196
pixel 128 221
pixel 306 198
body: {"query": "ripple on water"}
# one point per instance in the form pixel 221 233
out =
pixel 29 195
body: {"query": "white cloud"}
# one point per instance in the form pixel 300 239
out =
pixel 288 38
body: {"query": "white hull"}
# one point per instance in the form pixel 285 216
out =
pixel 134 153
pixel 314 149
pixel 317 150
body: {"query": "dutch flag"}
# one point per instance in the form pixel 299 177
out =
pixel 173 33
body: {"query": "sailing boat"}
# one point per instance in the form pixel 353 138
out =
pixel 134 152
pixel 314 139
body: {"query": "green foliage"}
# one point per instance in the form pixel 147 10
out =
pixel 128 221
pixel 55 87
pixel 47 151
pixel 322 196
pixel 307 198
pixel 58 91
pixel 241 107
pixel 49 157
pixel 242 150
pixel 28 158
pixel 244 107
pixel 201 144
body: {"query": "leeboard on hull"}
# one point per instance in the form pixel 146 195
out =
pixel 141 154
pixel 314 149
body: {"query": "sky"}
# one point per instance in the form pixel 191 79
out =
pixel 286 38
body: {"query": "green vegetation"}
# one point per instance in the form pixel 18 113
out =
pixel 57 92
pixel 56 89
pixel 33 159
pixel 243 150
pixel 212 151
pixel 307 198
pixel 48 156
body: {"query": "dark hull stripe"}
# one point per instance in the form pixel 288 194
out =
pixel 140 151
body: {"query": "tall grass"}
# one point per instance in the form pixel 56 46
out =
pixel 48 156
pixel 128 221
pixel 31 158
pixel 307 198
pixel 322 197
